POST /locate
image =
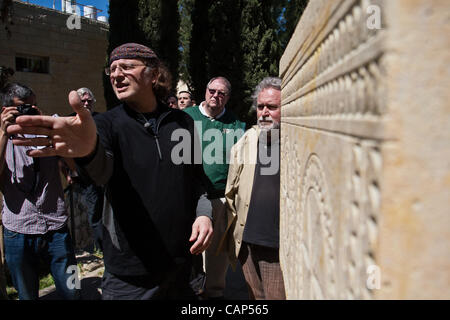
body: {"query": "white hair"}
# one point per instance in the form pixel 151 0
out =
pixel 267 82
pixel 83 91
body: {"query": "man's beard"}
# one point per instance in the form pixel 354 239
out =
pixel 272 125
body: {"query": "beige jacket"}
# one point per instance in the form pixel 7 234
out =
pixel 238 191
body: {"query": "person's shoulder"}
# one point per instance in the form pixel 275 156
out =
pixel 250 134
pixel 183 118
pixel 192 111
pixel 180 113
pixel 111 113
pixel 234 118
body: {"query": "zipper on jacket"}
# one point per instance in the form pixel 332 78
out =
pixel 159 120
pixel 157 145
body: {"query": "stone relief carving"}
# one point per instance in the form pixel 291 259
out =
pixel 317 243
pixel 336 88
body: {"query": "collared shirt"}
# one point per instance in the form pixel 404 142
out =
pixel 202 110
pixel 217 136
pixel 33 197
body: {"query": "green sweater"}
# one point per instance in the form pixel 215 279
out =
pixel 216 146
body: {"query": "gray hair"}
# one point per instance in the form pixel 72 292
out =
pixel 224 80
pixel 82 91
pixel 267 82
pixel 14 90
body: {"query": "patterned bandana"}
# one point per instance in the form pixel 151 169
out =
pixel 131 51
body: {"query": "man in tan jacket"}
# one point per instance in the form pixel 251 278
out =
pixel 253 195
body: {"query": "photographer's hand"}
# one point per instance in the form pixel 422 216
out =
pixel 66 136
pixel 7 118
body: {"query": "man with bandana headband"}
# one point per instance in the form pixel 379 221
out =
pixel 149 235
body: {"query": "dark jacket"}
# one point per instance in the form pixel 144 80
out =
pixel 151 202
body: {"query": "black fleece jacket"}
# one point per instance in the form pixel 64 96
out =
pixel 151 202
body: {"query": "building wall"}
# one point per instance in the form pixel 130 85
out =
pixel 76 57
pixel 365 146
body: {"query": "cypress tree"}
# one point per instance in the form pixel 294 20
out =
pixel 292 12
pixel 242 40
pixel 123 27
pixel 200 40
pixel 185 9
pixel 261 46
pixel 215 47
pixel 160 22
pixel 225 50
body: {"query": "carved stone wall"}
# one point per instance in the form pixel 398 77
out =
pixel 365 184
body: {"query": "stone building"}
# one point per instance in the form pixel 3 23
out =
pixel 50 54
pixel 55 52
pixel 365 151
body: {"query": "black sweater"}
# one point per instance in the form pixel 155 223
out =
pixel 151 201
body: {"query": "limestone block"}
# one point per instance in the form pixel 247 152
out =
pixel 365 146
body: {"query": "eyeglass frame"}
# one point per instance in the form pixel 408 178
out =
pixel 89 101
pixel 219 93
pixel 108 71
pixel 270 107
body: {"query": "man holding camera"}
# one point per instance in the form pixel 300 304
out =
pixel 34 215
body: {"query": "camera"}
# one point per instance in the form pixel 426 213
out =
pixel 27 109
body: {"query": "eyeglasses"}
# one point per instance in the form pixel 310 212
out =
pixel 219 93
pixel 270 107
pixel 89 101
pixel 124 68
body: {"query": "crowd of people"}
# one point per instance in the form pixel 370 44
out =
pixel 177 192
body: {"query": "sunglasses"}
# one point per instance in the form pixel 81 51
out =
pixel 219 93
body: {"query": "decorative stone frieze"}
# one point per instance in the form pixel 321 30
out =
pixel 365 118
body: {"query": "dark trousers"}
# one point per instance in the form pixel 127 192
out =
pixel 262 272
pixel 93 203
pixel 174 286
pixel 23 254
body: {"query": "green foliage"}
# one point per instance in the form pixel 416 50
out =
pixel 185 9
pixel 46 281
pixel 289 19
pixel 124 27
pixel 242 40
pixel 261 48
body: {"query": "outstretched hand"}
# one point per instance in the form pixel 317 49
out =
pixel 202 231
pixel 64 136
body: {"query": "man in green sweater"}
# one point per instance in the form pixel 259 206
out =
pixel 219 129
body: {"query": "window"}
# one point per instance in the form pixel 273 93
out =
pixel 32 64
